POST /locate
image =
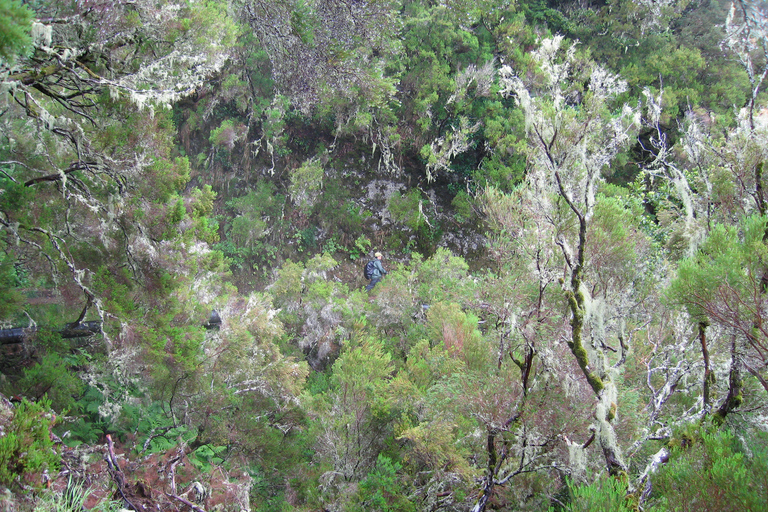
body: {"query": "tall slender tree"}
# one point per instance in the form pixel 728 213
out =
pixel 574 131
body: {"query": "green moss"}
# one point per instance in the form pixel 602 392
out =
pixel 577 320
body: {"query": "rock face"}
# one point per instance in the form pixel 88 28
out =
pixel 373 192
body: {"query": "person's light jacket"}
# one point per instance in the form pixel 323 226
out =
pixel 378 270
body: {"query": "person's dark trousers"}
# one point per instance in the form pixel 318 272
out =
pixel 373 282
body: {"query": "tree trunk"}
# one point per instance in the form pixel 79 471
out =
pixel 708 375
pixel 80 330
pixel 735 384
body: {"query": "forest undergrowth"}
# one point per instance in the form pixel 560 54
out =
pixel 572 210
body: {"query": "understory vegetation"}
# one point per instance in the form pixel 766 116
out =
pixel 572 210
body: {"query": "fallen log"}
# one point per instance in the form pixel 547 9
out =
pixel 82 329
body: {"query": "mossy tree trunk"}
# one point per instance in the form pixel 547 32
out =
pixel 605 410
pixel 570 143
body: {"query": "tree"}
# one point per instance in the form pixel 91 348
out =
pixel 573 135
pixel 717 216
pixel 355 416
pixel 94 207
pixel 75 112
pixel 328 59
pixel 747 37
pixel 721 286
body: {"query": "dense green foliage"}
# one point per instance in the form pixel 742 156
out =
pixel 15 27
pixel 571 202
pixel 26 448
pixel 720 471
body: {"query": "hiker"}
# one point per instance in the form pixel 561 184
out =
pixel 374 271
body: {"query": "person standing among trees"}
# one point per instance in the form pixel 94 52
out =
pixel 376 271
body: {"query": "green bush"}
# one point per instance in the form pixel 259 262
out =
pixel 10 297
pixel 406 208
pixel 54 378
pixel 462 204
pixel 607 494
pixel 15 26
pixel 26 450
pixel 719 472
pixel 307 184
pixel 362 246
pixel 382 489
pixel 251 228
